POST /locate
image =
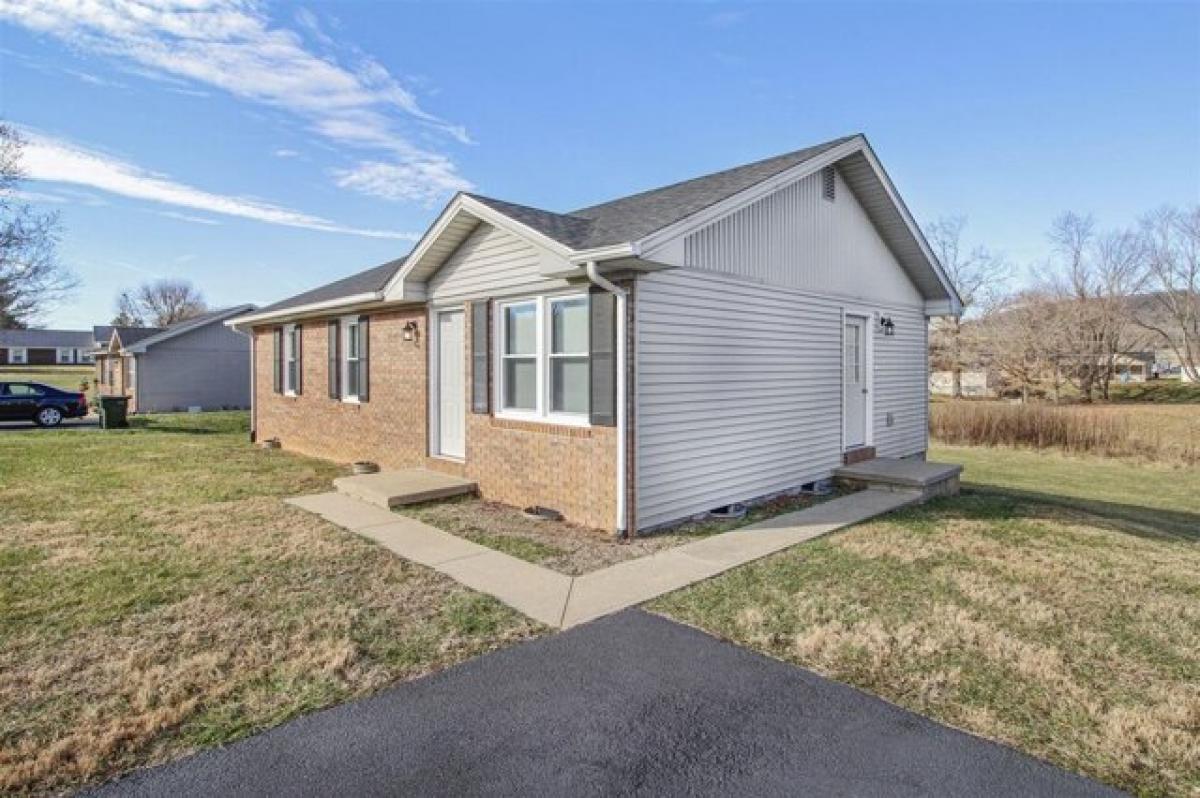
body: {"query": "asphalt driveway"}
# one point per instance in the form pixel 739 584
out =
pixel 632 703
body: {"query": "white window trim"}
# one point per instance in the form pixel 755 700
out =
pixel 289 357
pixel 69 352
pixel 12 356
pixel 541 412
pixel 344 356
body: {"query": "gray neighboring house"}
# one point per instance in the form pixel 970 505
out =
pixel 196 363
pixel 45 347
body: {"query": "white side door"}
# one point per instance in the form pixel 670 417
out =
pixel 854 393
pixel 452 400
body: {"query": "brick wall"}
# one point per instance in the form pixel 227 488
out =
pixel 570 469
pixel 389 429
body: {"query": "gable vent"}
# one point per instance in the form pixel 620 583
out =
pixel 829 183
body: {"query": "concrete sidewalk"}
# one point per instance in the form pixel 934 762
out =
pixel 562 601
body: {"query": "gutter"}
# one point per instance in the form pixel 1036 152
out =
pixel 622 390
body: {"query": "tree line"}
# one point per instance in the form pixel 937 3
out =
pixel 1102 297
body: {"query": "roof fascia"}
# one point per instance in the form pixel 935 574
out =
pixel 396 290
pixel 913 228
pixel 301 310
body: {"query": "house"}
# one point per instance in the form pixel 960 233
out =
pixel 45 347
pixel 199 362
pixel 975 383
pixel 632 363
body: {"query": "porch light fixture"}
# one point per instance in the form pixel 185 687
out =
pixel 887 325
pixel 410 331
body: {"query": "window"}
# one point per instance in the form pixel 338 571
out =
pixel 543 372
pixel 21 389
pixel 16 356
pixel 352 360
pixel 569 355
pixel 66 356
pixel 520 357
pixel 291 362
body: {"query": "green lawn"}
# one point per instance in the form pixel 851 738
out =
pixel 157 597
pixel 1054 606
pixel 66 377
pixel 1156 391
pixel 1139 494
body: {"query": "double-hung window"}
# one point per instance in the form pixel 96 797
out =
pixel 543 352
pixel 17 356
pixel 352 361
pixel 66 355
pixel 291 360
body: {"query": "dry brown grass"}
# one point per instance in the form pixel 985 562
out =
pixel 1161 433
pixel 570 548
pixel 175 603
pixel 1045 628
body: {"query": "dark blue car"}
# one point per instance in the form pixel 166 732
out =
pixel 42 404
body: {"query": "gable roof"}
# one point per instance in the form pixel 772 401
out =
pixel 130 335
pixel 622 225
pixel 638 215
pixel 156 337
pixel 46 339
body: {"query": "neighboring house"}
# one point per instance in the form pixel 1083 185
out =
pixel 45 347
pixel 195 363
pixel 976 383
pixel 632 363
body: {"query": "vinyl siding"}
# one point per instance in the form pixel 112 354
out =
pixel 208 367
pixel 902 386
pixel 491 263
pixel 739 390
pixel 795 237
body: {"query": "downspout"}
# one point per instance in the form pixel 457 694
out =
pixel 622 322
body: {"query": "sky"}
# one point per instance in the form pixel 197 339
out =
pixel 260 149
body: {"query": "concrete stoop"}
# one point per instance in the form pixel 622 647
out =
pixel 918 478
pixel 388 489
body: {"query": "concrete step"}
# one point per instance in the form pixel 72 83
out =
pixel 390 489
pixel 910 476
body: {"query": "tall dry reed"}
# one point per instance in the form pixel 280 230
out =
pixel 1072 428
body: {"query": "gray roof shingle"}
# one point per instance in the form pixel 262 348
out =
pixel 46 339
pixel 363 282
pixel 615 222
pixel 638 215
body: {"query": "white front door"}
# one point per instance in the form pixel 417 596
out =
pixel 854 368
pixel 452 400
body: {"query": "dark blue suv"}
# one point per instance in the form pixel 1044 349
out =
pixel 42 404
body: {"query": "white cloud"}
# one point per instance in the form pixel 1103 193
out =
pixel 284 152
pixel 424 182
pixel 187 217
pixel 231 45
pixel 58 161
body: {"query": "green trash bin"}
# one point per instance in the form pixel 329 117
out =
pixel 114 412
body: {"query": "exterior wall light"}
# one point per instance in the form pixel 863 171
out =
pixel 410 331
pixel 887 325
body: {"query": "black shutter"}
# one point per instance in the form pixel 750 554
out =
pixel 335 372
pixel 276 359
pixel 480 357
pixel 602 318
pixel 299 360
pixel 364 358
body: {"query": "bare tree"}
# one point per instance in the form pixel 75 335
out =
pixel 31 278
pixel 1023 338
pixel 1171 244
pixel 980 277
pixel 160 303
pixel 1095 279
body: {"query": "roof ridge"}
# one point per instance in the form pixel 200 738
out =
pixel 709 175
